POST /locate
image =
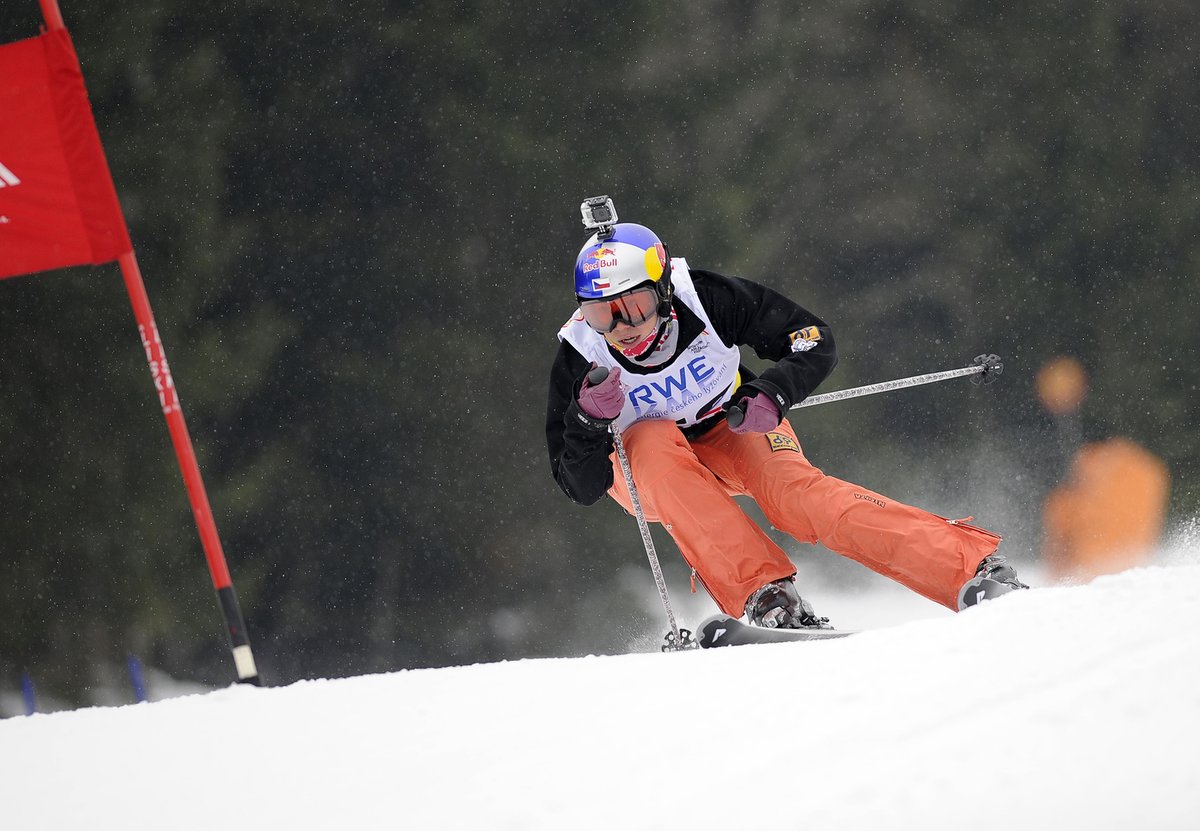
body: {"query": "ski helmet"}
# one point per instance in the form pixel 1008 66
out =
pixel 625 258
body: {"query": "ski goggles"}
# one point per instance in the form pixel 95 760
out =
pixel 632 308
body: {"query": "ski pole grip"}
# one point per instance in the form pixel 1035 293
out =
pixel 735 416
pixel 597 375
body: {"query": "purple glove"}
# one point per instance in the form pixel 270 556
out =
pixel 605 399
pixel 756 414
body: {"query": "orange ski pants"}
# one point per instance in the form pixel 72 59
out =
pixel 688 486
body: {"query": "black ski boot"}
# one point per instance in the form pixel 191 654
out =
pixel 993 578
pixel 779 606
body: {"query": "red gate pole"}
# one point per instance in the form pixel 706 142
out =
pixel 52 15
pixel 156 356
pixel 168 397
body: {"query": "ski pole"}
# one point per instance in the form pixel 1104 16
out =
pixel 987 367
pixel 677 639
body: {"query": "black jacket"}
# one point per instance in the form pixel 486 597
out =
pixel 743 313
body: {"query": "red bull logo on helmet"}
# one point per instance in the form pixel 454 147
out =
pixel 600 258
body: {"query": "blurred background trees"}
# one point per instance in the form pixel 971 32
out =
pixel 357 222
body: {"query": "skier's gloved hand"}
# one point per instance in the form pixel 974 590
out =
pixel 753 414
pixel 604 399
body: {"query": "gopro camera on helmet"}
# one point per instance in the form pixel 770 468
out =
pixel 599 213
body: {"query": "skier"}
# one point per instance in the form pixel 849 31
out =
pixel 698 428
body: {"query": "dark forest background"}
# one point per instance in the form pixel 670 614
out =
pixel 357 223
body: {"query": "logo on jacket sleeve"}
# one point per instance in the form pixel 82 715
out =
pixel 782 441
pixel 805 339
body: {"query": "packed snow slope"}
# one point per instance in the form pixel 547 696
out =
pixel 1057 708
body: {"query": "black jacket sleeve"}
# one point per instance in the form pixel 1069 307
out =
pixel 749 314
pixel 579 446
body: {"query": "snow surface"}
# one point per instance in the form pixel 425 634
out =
pixel 1059 708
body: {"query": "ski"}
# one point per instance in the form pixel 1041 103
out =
pixel 723 630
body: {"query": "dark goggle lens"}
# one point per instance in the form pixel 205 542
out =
pixel 632 309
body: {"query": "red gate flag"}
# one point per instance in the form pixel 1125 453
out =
pixel 58 206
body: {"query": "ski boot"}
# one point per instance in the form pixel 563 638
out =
pixel 993 578
pixel 778 605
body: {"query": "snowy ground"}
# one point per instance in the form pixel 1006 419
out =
pixel 1059 708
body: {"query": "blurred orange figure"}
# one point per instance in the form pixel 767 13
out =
pixel 1062 385
pixel 1109 515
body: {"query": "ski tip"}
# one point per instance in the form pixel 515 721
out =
pixel 724 630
